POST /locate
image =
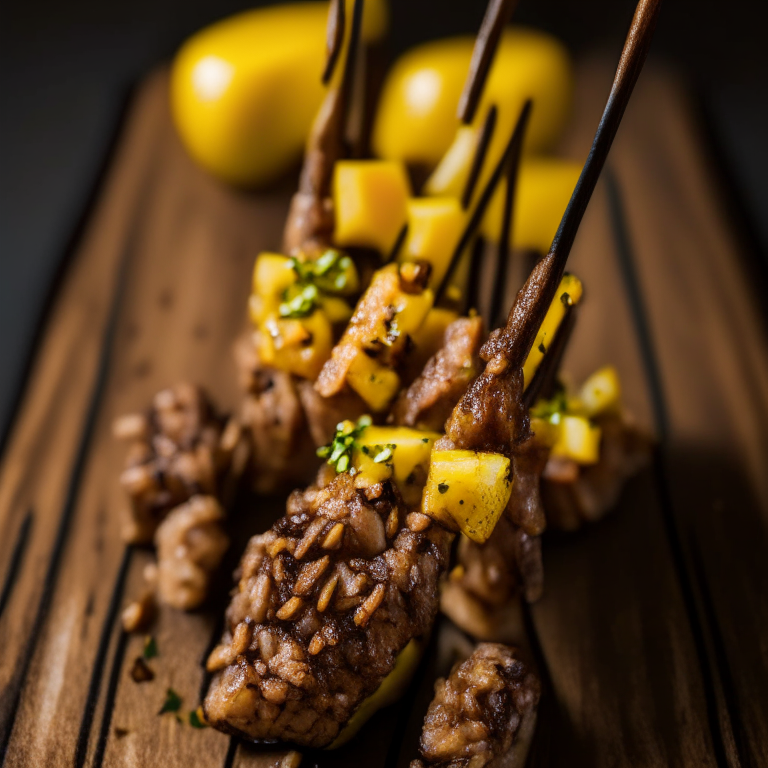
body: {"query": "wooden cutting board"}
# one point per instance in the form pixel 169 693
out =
pixel 652 632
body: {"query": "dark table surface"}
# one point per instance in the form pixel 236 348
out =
pixel 67 67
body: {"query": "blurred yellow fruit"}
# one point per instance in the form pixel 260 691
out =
pixel 245 90
pixel 370 202
pixel 416 120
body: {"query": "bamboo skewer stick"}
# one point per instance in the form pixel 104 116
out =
pixel 496 16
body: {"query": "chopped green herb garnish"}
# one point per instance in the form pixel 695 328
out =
pixel 150 647
pixel 542 348
pixel 442 487
pixel 384 453
pixel 333 272
pixel 339 452
pixel 299 301
pixel 172 702
pixel 195 721
pixel 565 297
pixel 424 439
pixel 551 409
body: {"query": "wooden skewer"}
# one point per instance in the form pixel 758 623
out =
pixel 485 198
pixel 399 242
pixel 630 65
pixel 537 294
pixel 496 16
pixel 348 77
pixel 483 142
pixel 472 298
pixel 334 37
pixel 504 249
pixel 544 380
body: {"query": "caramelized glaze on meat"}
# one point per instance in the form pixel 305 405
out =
pixel 483 714
pixel 326 600
pixel 428 402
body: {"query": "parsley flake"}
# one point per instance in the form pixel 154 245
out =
pixel 172 702
pixel 442 487
pixel 338 453
pixel 542 348
pixel 195 720
pixel 150 647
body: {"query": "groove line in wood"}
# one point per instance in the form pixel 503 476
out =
pixel 740 741
pixel 109 698
pixel 81 457
pixel 229 758
pixel 698 624
pixel 16 560
pixel 99 661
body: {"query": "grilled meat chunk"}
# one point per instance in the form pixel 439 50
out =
pixel 326 600
pixel 190 544
pixel 286 420
pixel 179 448
pixel 482 595
pixel 428 402
pixel 324 413
pixel 483 715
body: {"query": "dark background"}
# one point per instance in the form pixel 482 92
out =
pixel 66 68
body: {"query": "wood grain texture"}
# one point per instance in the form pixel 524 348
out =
pixel 652 629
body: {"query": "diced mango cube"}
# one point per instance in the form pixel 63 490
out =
pixel 468 490
pixel 272 274
pixel 578 439
pixel 406 453
pixel 411 309
pixel 601 392
pixel 435 225
pixel 299 346
pixel 429 338
pixel 336 309
pixel 375 383
pixel 569 293
pixel 452 172
pixel 370 202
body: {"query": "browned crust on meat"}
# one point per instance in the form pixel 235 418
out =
pixel 272 414
pixel 480 711
pixel 177 449
pixel 318 618
pixel 324 413
pixel 374 311
pixel 428 402
pixel 310 221
pixel 190 544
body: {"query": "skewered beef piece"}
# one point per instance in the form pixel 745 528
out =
pixel 311 219
pixel 428 402
pixel 482 594
pixel 483 715
pixel 575 495
pixel 190 544
pixel 280 411
pixel 326 600
pixel 179 448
